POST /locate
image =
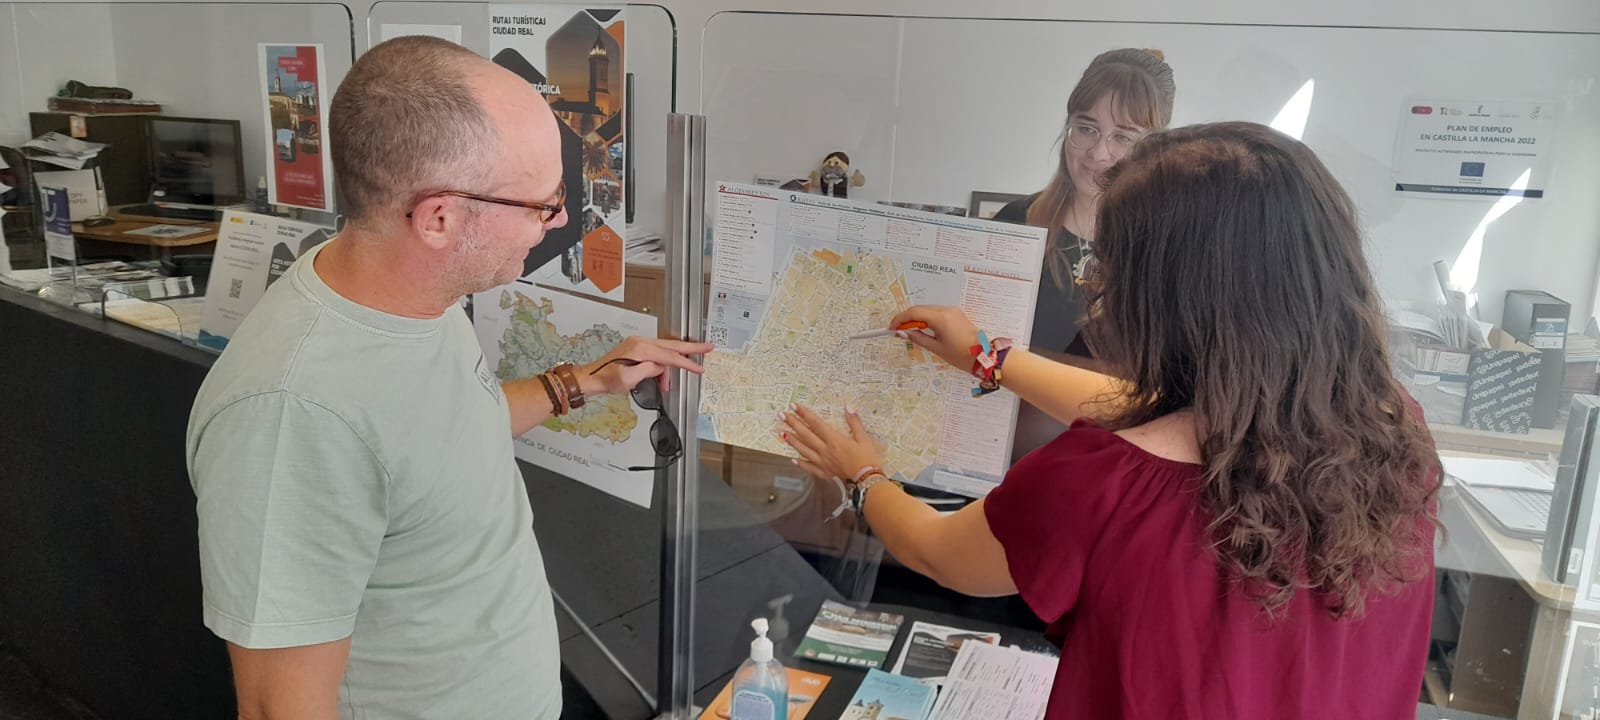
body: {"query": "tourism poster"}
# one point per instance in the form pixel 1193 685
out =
pixel 573 56
pixel 294 106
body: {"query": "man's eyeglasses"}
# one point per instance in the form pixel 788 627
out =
pixel 664 437
pixel 1085 137
pixel 546 212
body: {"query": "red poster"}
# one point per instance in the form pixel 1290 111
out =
pixel 295 111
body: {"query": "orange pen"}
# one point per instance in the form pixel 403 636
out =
pixel 909 325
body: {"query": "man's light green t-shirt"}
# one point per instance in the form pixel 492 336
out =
pixel 355 478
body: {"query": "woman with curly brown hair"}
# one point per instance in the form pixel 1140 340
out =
pixel 1241 525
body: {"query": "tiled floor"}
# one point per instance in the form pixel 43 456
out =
pixel 24 697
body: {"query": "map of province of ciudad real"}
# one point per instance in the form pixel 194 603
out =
pixel 525 330
pixel 532 345
pixel 795 275
pixel 800 354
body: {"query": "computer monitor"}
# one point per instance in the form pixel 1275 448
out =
pixel 196 161
pixel 1576 482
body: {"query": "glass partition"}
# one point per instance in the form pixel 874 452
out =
pixel 601 554
pixel 964 115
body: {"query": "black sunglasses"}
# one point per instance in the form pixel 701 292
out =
pixel 664 437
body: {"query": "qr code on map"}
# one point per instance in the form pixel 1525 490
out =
pixel 236 288
pixel 718 336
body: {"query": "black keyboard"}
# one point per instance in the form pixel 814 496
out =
pixel 156 211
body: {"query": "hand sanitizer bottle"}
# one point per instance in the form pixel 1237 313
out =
pixel 761 687
pixel 259 203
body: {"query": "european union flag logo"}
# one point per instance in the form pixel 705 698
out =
pixel 1472 169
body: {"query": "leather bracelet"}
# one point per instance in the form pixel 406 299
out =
pixel 562 407
pixel 859 497
pixel 569 382
pixel 550 390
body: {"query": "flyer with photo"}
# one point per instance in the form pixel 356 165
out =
pixel 931 649
pixel 844 635
pixel 294 105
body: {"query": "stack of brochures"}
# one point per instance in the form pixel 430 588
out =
pixel 988 681
pixel 62 151
pixel 940 673
pixel 643 248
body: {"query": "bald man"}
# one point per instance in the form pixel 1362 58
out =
pixel 366 540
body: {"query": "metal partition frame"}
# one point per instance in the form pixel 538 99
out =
pixel 679 484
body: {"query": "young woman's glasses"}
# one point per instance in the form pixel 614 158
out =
pixel 664 437
pixel 1086 137
pixel 547 212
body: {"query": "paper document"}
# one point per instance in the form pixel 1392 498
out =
pixel 177 318
pixel 62 151
pixel 83 190
pixel 931 650
pixel 1491 472
pixel 26 280
pixel 58 144
pixel 1417 323
pixel 795 275
pixel 91 276
pixel 70 163
pixel 987 681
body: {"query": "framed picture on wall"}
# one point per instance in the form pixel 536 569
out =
pixel 985 204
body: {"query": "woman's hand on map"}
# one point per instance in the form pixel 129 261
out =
pixel 825 452
pixel 954 335
pixel 651 358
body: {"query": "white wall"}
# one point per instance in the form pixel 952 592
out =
pixel 200 60
pixel 42 46
pixel 784 91
pixel 931 110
